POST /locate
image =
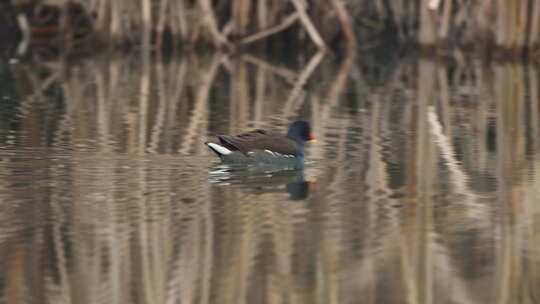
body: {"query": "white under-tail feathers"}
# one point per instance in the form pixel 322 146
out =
pixel 220 150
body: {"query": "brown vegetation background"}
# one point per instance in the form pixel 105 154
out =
pixel 335 24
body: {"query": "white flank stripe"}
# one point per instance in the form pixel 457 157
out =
pixel 270 152
pixel 219 149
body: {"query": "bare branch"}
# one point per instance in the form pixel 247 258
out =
pixel 275 29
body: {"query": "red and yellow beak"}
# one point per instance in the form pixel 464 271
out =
pixel 311 139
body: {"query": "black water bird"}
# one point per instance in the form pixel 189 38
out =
pixel 265 147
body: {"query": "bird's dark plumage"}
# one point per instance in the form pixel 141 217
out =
pixel 262 146
pixel 259 140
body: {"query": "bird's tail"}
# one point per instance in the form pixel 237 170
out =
pixel 219 150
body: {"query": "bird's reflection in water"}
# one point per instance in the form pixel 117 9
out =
pixel 261 180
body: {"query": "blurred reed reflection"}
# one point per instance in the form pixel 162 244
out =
pixel 423 187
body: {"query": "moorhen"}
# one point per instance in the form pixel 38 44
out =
pixel 265 147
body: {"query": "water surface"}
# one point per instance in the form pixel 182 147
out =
pixel 422 187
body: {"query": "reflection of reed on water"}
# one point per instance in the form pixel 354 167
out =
pixel 426 184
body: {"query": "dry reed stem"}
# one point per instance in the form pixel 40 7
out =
pixel 426 35
pixel 262 14
pixel 102 15
pixel 219 40
pixel 285 23
pixel 445 23
pixel 534 32
pixel 345 21
pixel 242 18
pixel 182 19
pixel 115 29
pixel 502 23
pixel 520 24
pixel 24 27
pixel 228 28
pixel 308 25
pixel 434 4
pixel 163 10
pixel 146 23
